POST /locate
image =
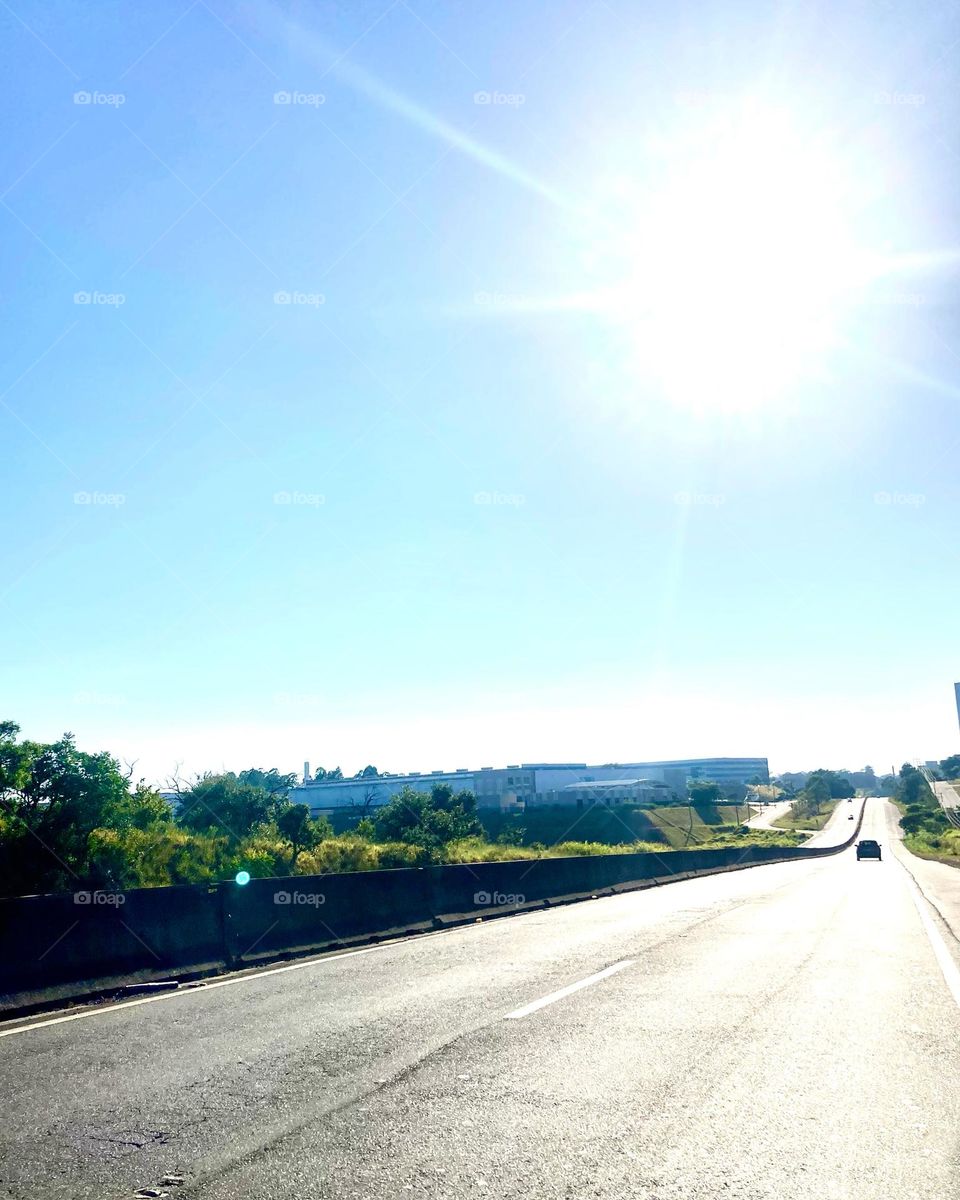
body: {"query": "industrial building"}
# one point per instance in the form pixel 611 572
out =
pixel 537 784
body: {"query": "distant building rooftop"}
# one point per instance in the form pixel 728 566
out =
pixel 600 785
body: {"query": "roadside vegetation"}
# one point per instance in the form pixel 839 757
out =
pixel 71 820
pixel 926 830
pixel 815 804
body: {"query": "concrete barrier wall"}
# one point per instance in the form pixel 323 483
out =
pixel 67 944
pixel 54 947
pixel 268 917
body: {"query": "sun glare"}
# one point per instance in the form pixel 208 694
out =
pixel 739 263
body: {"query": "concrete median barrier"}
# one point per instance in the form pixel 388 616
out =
pixel 65 946
pixel 279 916
pixel 70 944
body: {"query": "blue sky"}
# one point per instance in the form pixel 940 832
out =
pixel 538 381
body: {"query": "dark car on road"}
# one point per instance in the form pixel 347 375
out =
pixel 868 848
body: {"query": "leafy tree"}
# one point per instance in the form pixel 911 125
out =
pixel 224 804
pixel 271 781
pixel 429 819
pixel 366 829
pixel 838 787
pixel 951 766
pixel 511 835
pixel 52 798
pixel 912 787
pixel 368 773
pixel 325 776
pixel 704 792
pixel 303 832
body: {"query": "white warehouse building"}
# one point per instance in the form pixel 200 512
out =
pixel 536 784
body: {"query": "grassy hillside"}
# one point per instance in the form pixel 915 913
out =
pixel 678 830
pixel 664 825
pixel 549 826
pixel 814 822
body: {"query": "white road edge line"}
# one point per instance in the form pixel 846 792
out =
pixel 187 991
pixel 949 968
pixel 535 1005
pixel 249 976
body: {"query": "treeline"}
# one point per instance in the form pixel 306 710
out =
pixel 71 820
pixel 822 787
pixel 866 780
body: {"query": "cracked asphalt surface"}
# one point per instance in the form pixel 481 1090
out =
pixel 781 1032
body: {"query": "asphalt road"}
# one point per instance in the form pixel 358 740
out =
pixel 768 814
pixel 785 1031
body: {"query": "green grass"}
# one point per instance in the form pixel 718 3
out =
pixel 678 831
pixel 789 821
pixel 549 826
pixel 943 847
pixel 739 835
pixel 346 853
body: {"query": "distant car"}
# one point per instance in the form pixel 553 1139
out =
pixel 849 799
pixel 868 848
pixel 850 818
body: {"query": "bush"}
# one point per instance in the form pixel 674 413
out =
pixel 430 820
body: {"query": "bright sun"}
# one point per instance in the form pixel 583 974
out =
pixel 740 261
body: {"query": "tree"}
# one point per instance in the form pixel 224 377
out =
pixel 838 787
pixel 816 793
pixel 321 775
pixel 368 773
pixel 950 766
pixel 296 826
pixel 912 787
pixel 271 781
pixel 53 797
pixel 704 792
pixel 225 804
pixel 429 819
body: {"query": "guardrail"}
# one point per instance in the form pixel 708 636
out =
pixel 75 945
pixel 950 811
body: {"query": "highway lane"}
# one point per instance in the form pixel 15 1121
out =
pixel 768 814
pixel 783 1032
pixel 835 830
pixel 839 826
